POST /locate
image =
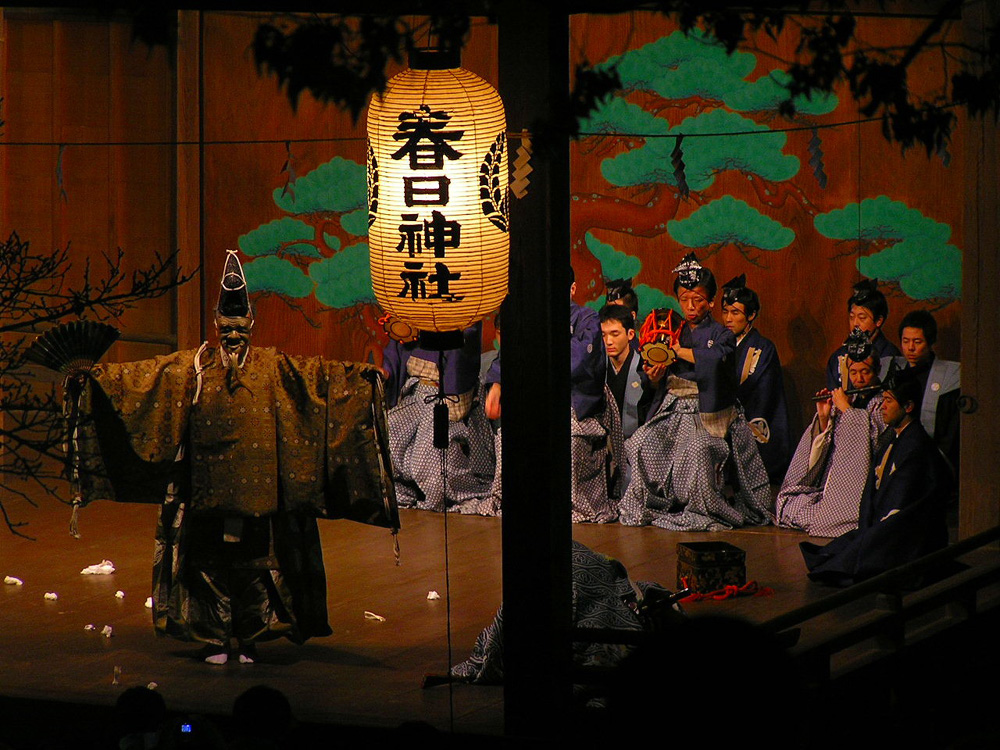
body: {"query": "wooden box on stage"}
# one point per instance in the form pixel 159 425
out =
pixel 710 565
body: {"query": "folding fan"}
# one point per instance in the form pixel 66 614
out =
pixel 72 347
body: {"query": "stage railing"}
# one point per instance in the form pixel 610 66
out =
pixel 841 632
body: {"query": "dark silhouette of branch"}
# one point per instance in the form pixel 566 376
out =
pixel 34 288
pixel 344 60
pixel 34 294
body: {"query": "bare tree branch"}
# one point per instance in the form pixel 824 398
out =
pixel 343 60
pixel 35 293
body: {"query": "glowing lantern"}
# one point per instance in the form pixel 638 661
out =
pixel 437 195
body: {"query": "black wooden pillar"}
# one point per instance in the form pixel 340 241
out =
pixel 534 82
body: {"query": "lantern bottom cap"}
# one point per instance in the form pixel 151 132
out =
pixel 437 341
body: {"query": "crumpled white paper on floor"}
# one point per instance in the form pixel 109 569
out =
pixel 12 581
pixel 103 568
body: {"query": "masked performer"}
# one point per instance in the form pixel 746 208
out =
pixel 761 388
pixel 245 448
pixel 822 490
pixel 904 505
pixel 695 441
pixel 469 462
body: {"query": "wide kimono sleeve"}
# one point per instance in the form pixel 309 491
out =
pixel 394 358
pixel 134 418
pixel 762 393
pixel 333 450
pixel 822 490
pixel 714 347
pixel 588 362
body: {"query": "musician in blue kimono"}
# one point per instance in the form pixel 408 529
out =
pixel 595 426
pixel 625 376
pixel 412 375
pixel 695 445
pixel 867 309
pixel 761 388
pixel 903 512
pixel 939 378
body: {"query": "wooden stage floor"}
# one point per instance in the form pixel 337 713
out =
pixel 369 672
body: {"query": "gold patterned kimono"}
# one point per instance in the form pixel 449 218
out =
pixel 243 473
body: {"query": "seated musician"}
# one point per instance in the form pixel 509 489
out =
pixel 694 441
pixel 412 375
pixel 624 374
pixel 595 429
pixel 761 388
pixel 904 505
pixel 822 490
pixel 940 379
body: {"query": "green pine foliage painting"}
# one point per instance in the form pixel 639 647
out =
pixel 317 250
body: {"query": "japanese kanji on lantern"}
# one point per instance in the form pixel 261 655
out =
pixel 437 195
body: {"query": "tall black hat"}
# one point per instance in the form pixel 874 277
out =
pixel 867 294
pixel 736 290
pixel 859 345
pixel 863 291
pixel 234 298
pixel 690 273
pixel 617 288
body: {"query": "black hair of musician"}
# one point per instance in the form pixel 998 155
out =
pixel 620 313
pixel 869 359
pixel 621 289
pixel 905 386
pixel 923 320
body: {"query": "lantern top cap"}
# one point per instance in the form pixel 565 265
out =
pixel 431 58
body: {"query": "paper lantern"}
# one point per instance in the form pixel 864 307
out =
pixel 437 195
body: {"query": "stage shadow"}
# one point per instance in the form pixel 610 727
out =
pixel 286 654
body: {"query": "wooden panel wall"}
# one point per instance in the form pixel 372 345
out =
pixel 73 85
pixel 980 501
pixel 190 318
